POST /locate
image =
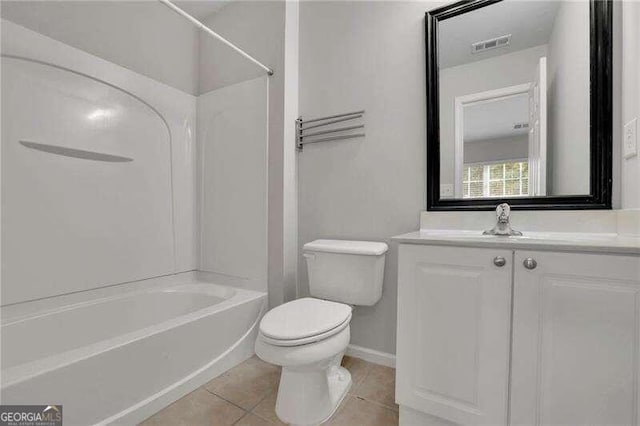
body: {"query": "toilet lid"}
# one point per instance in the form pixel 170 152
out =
pixel 302 318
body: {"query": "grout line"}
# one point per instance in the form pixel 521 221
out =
pixel 379 404
pixel 258 416
pixel 356 386
pixel 261 399
pixel 226 400
pixel 263 418
pixel 246 413
pixel 354 389
pixel 260 402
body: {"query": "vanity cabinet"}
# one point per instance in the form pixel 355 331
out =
pixel 502 336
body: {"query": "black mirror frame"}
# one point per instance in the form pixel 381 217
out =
pixel 601 120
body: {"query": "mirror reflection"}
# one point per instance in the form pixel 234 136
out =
pixel 514 100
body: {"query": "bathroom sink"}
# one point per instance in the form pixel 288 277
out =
pixel 461 234
pixel 511 238
pixel 525 237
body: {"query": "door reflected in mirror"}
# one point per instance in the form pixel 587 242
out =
pixel 514 98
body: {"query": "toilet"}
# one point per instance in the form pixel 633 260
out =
pixel 307 337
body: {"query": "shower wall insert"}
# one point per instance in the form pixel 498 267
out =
pixel 101 238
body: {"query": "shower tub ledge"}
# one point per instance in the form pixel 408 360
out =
pixel 118 355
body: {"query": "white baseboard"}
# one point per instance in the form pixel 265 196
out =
pixel 371 355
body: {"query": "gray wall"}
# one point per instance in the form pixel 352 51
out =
pixel 631 100
pixel 142 36
pixel 568 101
pixel 364 55
pixel 371 55
pixel 290 157
pixel 257 27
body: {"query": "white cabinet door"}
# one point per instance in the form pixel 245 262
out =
pixel 575 340
pixel 454 307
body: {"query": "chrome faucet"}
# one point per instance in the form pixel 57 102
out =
pixel 503 227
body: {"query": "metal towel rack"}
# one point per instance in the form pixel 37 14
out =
pixel 304 137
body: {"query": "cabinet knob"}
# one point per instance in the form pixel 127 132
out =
pixel 530 263
pixel 499 261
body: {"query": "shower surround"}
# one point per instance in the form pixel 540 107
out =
pixel 104 309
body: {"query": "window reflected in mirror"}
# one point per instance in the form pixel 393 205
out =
pixel 484 180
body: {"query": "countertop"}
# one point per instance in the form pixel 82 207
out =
pixel 548 241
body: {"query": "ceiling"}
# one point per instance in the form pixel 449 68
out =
pixel 200 8
pixel 495 119
pixel 529 22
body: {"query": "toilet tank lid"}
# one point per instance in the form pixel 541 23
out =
pixel 370 248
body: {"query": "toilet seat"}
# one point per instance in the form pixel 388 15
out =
pixel 306 340
pixel 304 321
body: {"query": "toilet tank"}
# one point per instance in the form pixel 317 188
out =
pixel 346 271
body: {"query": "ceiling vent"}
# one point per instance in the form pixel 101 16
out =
pixel 494 43
pixel 519 126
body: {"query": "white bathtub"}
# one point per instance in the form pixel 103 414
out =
pixel 119 354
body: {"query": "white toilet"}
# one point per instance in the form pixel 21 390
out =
pixel 309 336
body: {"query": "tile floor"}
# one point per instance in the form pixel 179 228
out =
pixel 246 396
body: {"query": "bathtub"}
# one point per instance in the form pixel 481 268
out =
pixel 118 355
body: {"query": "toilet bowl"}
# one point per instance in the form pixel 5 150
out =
pixel 308 337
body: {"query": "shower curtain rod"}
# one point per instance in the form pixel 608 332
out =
pixel 212 33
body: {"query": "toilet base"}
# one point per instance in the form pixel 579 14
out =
pixel 311 396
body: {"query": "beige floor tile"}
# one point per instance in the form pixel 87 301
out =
pixel 358 368
pixel 343 404
pixel 253 386
pixel 267 408
pixel 378 386
pixel 253 420
pixel 198 408
pixel 246 384
pixel 357 411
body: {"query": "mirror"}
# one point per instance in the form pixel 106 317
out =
pixel 519 104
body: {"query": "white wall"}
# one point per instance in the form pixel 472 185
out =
pixel 501 71
pixel 232 139
pixel 568 101
pixel 72 224
pixel 143 36
pixel 509 148
pixel 630 169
